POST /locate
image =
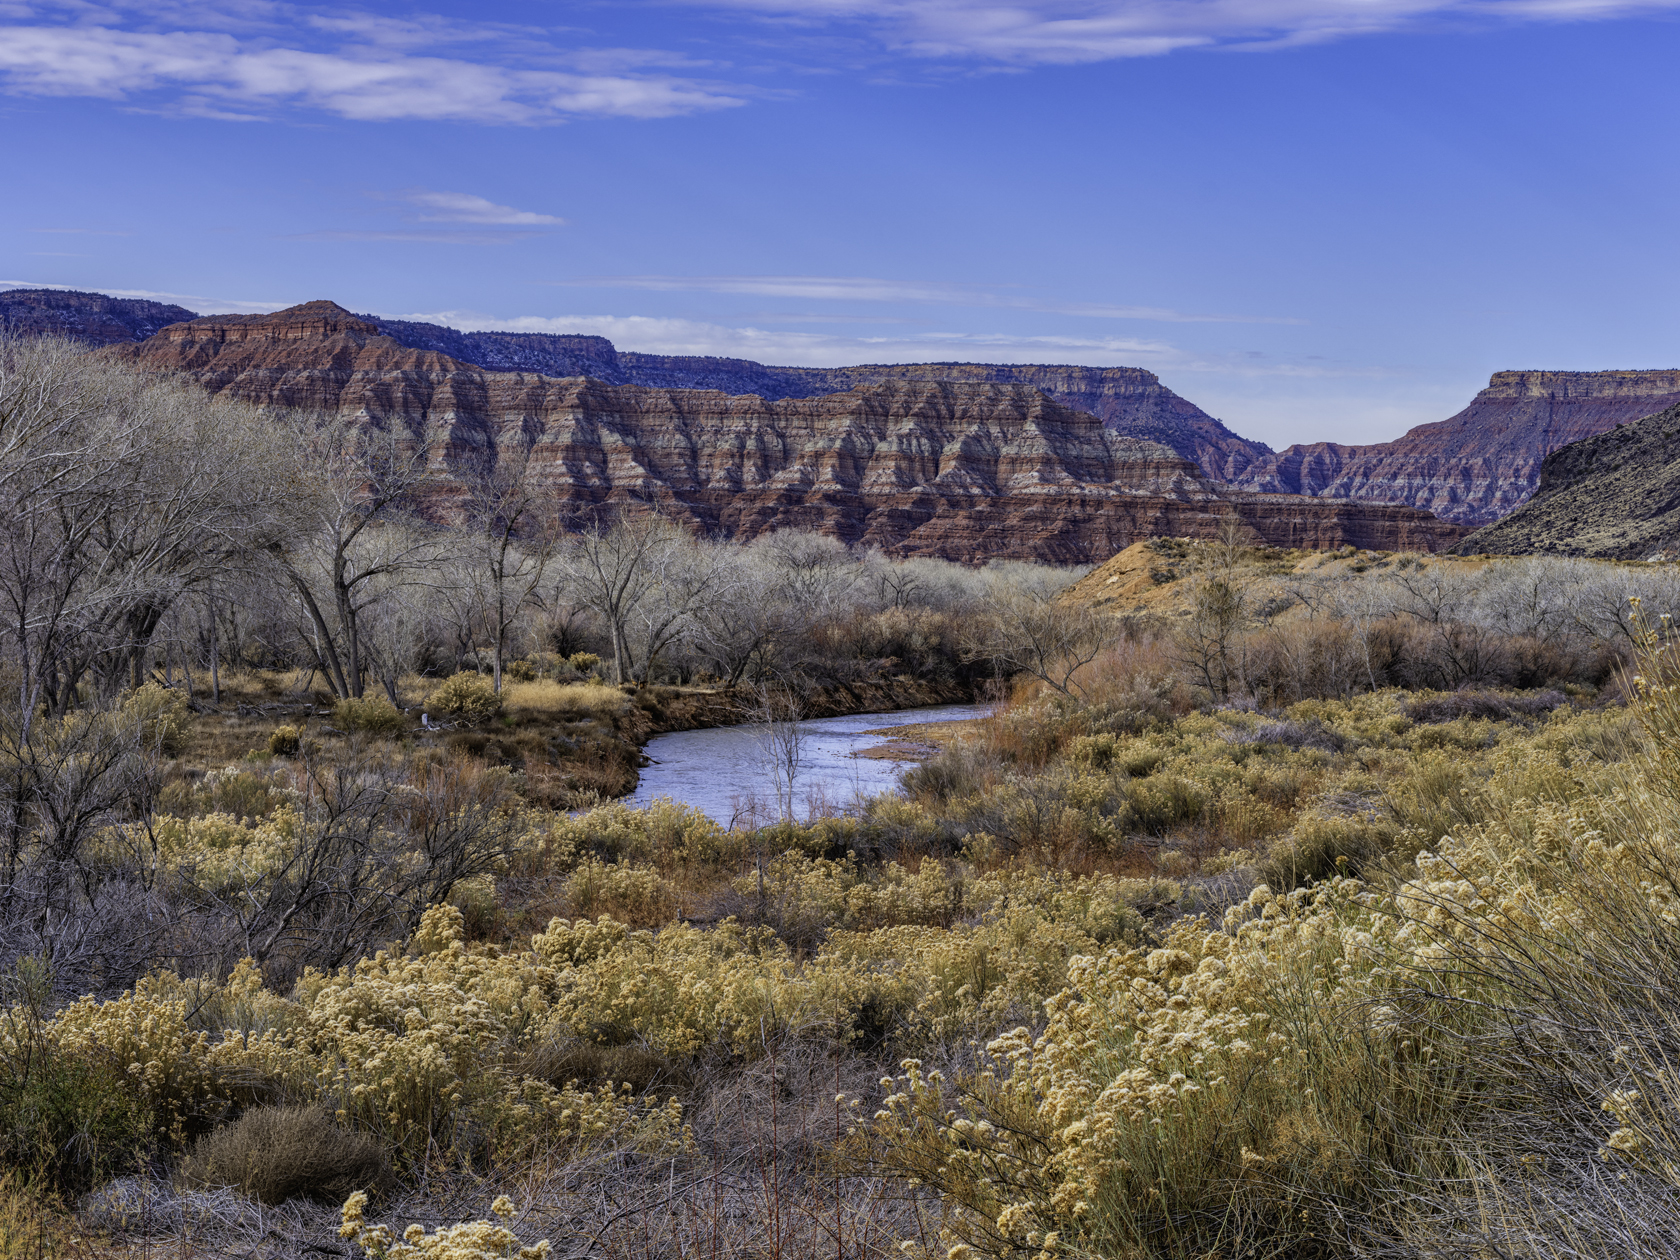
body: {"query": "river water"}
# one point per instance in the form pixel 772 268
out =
pixel 725 771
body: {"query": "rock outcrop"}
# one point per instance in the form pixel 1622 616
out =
pixel 1614 496
pixel 1482 463
pixel 969 470
pixel 89 317
pixel 1129 401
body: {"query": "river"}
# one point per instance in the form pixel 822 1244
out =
pixel 725 771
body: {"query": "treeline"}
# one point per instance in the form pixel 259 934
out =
pixel 155 530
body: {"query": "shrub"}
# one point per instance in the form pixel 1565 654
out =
pixel 69 1121
pixel 468 696
pixel 470 1240
pixel 374 714
pixel 584 662
pixel 285 741
pixel 162 714
pixel 279 1153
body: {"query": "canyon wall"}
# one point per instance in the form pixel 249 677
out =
pixel 1615 496
pixel 1480 464
pixel 967 470
pixel 1130 401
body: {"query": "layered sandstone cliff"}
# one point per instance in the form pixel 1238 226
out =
pixel 1615 496
pixel 1480 464
pixel 966 470
pixel 1130 401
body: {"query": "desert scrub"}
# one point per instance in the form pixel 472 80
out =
pixel 274 1154
pixel 470 1240
pixel 468 697
pixel 372 715
pixel 285 741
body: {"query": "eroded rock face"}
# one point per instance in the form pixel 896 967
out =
pixel 1130 401
pixel 1485 461
pixel 968 470
pixel 1615 496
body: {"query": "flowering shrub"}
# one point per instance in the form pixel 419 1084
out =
pixel 471 1240
pixel 468 696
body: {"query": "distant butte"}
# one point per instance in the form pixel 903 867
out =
pixel 968 470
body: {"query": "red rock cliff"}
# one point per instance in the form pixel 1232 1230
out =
pixel 1480 464
pixel 969 470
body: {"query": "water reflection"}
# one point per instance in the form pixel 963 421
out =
pixel 726 771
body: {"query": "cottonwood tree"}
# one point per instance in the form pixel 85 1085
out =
pixel 358 484
pixel 510 538
pixel 614 568
pixel 122 492
pixel 1033 631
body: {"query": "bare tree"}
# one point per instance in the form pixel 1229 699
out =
pixel 614 569
pixel 511 527
pixel 359 485
pixel 1035 632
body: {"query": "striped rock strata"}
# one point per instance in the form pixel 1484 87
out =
pixel 1480 464
pixel 969 471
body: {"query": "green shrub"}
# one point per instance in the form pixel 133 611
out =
pixel 278 1153
pixel 1321 847
pixel 70 1123
pixel 374 714
pixel 467 696
pixel 285 741
pixel 584 662
pixel 1159 803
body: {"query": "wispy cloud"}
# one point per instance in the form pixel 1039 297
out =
pixel 658 335
pixel 1073 31
pixel 455 207
pixel 373 73
pixel 415 238
pixel 936 293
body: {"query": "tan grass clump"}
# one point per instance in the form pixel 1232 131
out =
pixel 274 1154
pixel 565 699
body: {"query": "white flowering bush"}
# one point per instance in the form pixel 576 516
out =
pixel 470 1240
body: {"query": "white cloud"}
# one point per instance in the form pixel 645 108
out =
pixel 221 75
pixel 1073 31
pixel 940 293
pixel 415 238
pixel 453 207
pixel 659 335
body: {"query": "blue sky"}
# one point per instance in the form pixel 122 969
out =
pixel 1318 219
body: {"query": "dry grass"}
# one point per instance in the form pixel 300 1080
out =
pixel 274 1154
pixel 551 699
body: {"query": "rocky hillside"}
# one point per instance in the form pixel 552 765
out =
pixel 1129 401
pixel 91 317
pixel 968 470
pixel 1616 496
pixel 1480 464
